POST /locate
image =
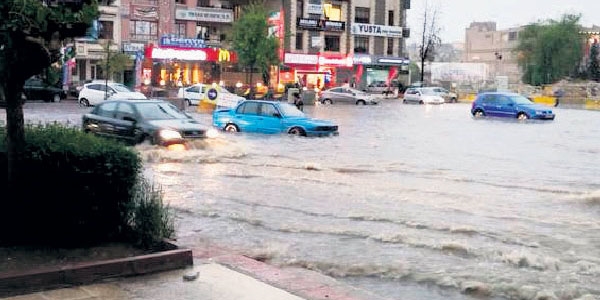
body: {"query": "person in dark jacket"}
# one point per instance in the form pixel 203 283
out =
pixel 298 101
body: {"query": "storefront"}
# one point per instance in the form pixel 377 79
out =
pixel 183 61
pixel 322 70
pixel 379 71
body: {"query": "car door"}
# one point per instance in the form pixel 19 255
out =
pixel 347 96
pixel 101 119
pixel 33 89
pixel 490 104
pixel 125 121
pixel 336 94
pixel 96 93
pixel 193 93
pixel 270 119
pixel 411 95
pixel 506 107
pixel 247 116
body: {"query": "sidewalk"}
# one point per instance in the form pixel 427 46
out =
pixel 227 277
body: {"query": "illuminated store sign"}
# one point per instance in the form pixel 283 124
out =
pixel 301 59
pixel 336 61
pixel 173 41
pixel 376 30
pixel 320 24
pixel 192 55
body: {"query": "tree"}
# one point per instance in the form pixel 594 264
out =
pixel 251 40
pixel 31 35
pixel 549 51
pixel 116 61
pixel 594 67
pixel 430 37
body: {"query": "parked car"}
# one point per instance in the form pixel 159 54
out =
pixel 379 87
pixel 135 121
pixel 36 89
pixel 449 97
pixel 271 117
pixel 509 105
pixel 96 92
pixel 346 95
pixel 422 96
pixel 193 94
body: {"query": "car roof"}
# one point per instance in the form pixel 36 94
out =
pixel 500 93
pixel 137 101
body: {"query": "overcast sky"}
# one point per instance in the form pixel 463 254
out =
pixel 456 15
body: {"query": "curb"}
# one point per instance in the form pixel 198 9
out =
pixel 25 282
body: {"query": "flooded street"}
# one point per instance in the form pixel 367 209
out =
pixel 409 201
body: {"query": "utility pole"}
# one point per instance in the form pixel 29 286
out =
pixel 107 72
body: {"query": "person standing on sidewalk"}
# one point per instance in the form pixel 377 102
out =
pixel 559 93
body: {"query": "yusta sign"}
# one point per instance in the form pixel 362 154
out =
pixel 376 30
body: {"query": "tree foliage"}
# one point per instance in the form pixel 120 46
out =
pixel 594 66
pixel 31 35
pixel 251 40
pixel 551 50
pixel 117 62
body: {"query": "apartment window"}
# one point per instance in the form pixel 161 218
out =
pixel 180 1
pixel 332 43
pixel 361 44
pixel 180 29
pixel 106 30
pixel 512 36
pixel 390 46
pixel 203 3
pixel 299 41
pixel 300 8
pixel 143 30
pixel 361 15
pixel 391 17
pixel 202 32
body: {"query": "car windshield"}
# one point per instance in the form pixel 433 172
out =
pixel 518 99
pixel 121 88
pixel 427 92
pixel 289 110
pixel 159 111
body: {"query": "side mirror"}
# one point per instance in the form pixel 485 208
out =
pixel 277 115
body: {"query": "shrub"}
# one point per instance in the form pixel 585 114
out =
pixel 73 189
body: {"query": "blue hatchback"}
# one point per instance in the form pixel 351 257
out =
pixel 271 117
pixel 509 105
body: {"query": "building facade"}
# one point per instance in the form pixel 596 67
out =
pixel 359 42
pixel 485 44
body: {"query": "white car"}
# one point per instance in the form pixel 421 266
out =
pixel 193 94
pixel 96 92
pixel 422 96
pixel 449 97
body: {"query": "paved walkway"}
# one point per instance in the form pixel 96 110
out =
pixel 227 277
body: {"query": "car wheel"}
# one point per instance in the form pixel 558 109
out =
pixel 522 116
pixel 478 113
pixel 361 102
pixel 56 98
pixel 84 102
pixel 231 128
pixel 297 131
pixel 327 101
pixel 188 102
pixel 453 100
pixel 404 101
pixel 421 102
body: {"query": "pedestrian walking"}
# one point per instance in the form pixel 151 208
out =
pixel 559 93
pixel 298 102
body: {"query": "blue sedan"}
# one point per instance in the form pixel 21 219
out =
pixel 509 105
pixel 271 117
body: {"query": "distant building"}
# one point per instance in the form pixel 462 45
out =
pixel 485 44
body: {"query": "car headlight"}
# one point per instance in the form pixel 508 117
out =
pixel 168 134
pixel 212 133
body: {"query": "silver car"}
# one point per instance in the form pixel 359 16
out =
pixel 346 95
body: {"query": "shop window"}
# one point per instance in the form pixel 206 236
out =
pixel 202 32
pixel 299 40
pixel 180 1
pixel 300 8
pixel 180 29
pixel 391 17
pixel 390 46
pixel 361 15
pixel 512 36
pixel 106 30
pixel 143 30
pixel 361 44
pixel 332 12
pixel 332 43
pixel 203 3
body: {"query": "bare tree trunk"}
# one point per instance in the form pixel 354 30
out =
pixel 251 94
